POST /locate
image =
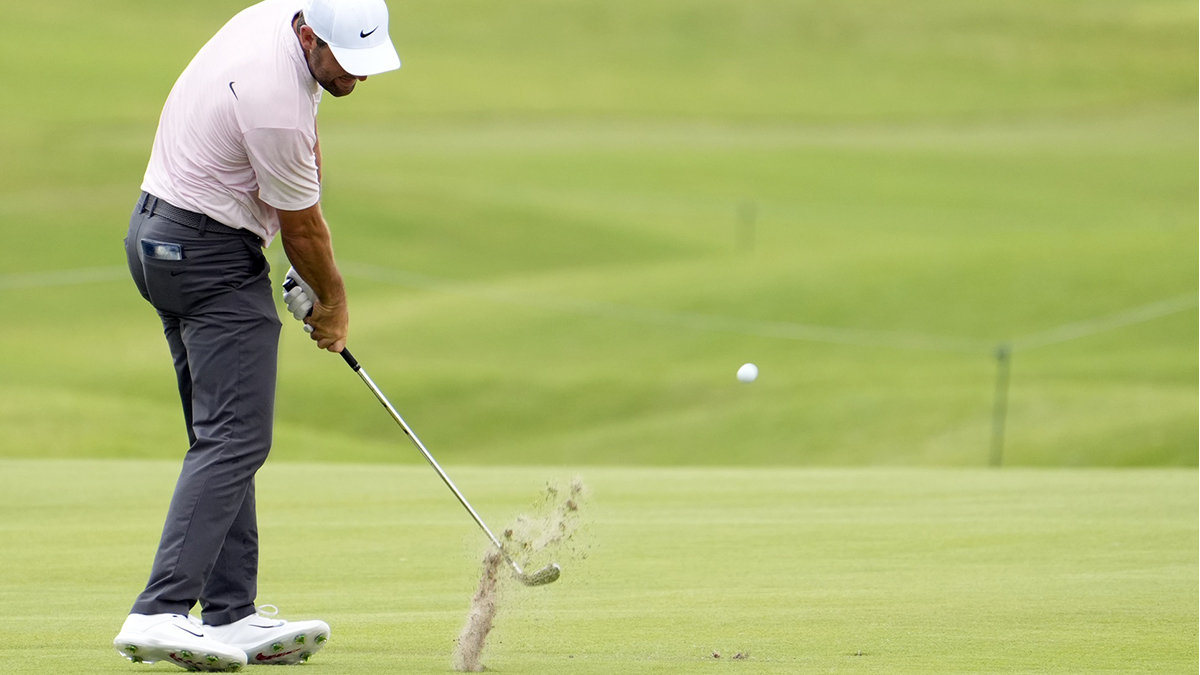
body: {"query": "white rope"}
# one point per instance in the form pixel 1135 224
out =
pixel 1080 329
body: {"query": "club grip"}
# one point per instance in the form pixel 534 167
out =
pixel 350 360
pixel 289 284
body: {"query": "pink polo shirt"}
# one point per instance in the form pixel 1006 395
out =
pixel 237 136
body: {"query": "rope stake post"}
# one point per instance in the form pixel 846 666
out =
pixel 1000 406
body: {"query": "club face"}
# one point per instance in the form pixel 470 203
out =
pixel 547 575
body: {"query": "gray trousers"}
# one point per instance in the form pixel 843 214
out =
pixel 213 294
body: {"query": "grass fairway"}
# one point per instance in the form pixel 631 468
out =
pixel 919 570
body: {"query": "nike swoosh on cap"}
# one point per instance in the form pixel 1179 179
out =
pixel 363 35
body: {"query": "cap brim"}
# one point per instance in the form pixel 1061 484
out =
pixel 370 61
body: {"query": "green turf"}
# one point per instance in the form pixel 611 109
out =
pixel 919 570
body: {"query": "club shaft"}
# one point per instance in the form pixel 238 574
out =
pixel 362 373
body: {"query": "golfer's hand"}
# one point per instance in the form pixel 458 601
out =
pixel 330 325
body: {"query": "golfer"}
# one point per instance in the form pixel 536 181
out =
pixel 236 163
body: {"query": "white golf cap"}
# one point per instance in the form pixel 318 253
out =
pixel 357 32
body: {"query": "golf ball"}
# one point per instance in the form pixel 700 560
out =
pixel 747 373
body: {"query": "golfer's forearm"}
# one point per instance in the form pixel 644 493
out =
pixel 309 248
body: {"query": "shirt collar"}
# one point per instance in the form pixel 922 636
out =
pixel 296 53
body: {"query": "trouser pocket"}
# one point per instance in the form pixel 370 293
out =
pixel 167 286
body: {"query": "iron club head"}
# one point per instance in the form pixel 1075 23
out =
pixel 547 575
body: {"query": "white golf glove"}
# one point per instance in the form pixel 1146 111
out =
pixel 300 298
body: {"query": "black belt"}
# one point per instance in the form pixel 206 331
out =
pixel 148 203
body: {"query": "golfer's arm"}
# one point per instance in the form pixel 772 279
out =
pixel 309 248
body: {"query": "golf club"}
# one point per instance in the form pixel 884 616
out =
pixel 546 575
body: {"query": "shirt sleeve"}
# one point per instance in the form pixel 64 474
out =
pixel 285 164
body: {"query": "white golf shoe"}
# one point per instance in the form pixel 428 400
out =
pixel 149 638
pixel 267 640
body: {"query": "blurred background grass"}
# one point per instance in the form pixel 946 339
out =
pixel 566 224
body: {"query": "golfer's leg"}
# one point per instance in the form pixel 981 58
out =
pixel 231 346
pixel 232 584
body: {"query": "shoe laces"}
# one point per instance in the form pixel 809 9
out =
pixel 269 611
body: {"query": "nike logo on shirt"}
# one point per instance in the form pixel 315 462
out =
pixel 363 35
pixel 231 89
